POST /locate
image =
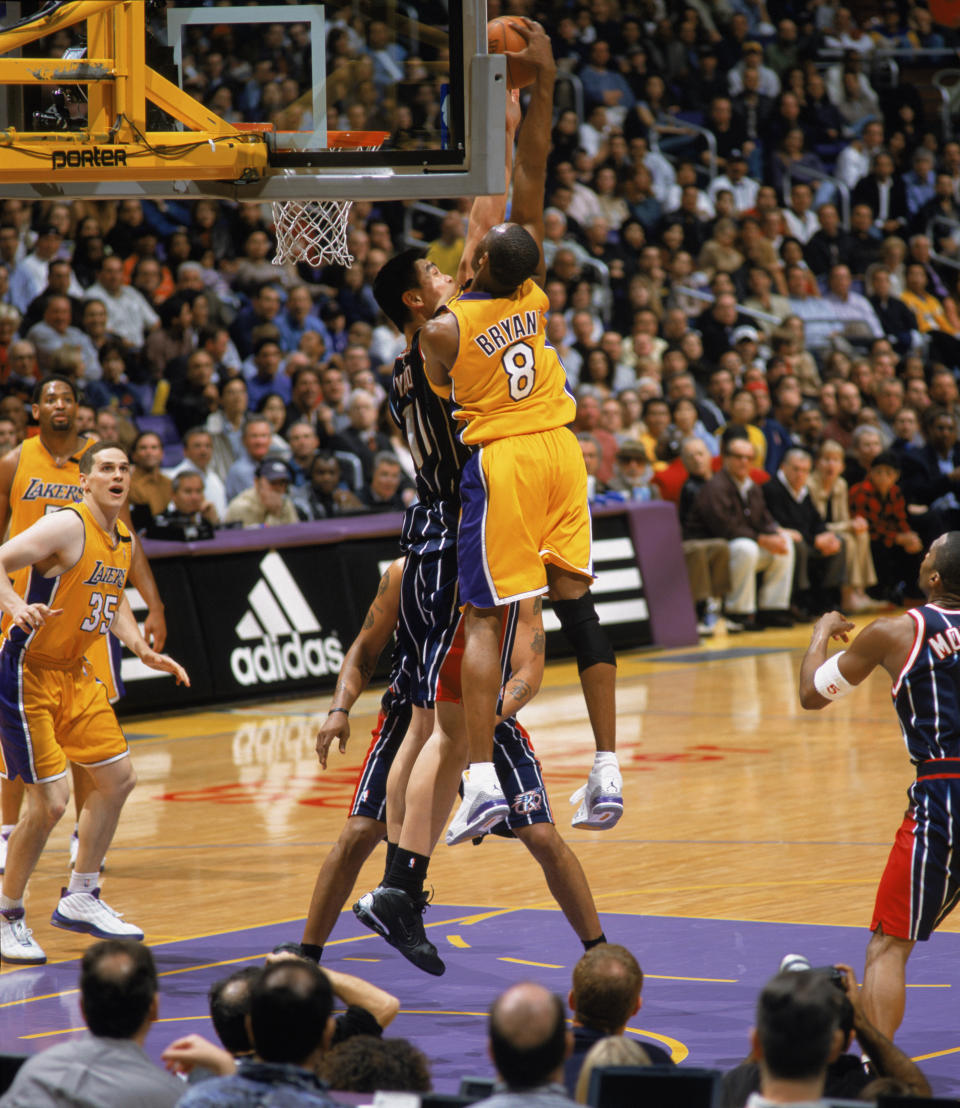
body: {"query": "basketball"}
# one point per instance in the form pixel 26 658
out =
pixel 503 38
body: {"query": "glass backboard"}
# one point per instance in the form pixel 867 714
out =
pixel 300 75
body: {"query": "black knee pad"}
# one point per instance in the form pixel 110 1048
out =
pixel 581 626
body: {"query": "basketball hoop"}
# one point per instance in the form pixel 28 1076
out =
pixel 315 231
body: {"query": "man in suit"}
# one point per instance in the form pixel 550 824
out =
pixel 819 555
pixel 885 194
pixel 730 506
pixel 931 475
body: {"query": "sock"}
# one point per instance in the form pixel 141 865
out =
pixel 6 828
pixel 483 775
pixel 408 871
pixel 83 882
pixel 605 758
pixel 8 902
pixel 76 831
pixel 391 852
pixel 589 944
pixel 312 951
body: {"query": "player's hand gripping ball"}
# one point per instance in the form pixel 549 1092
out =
pixel 504 38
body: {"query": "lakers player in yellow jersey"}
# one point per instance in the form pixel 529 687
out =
pixel 41 475
pixel 525 524
pixel 53 708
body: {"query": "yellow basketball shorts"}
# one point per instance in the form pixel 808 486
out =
pixel 524 506
pixel 48 716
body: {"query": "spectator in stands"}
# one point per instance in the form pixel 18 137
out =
pixel 266 503
pixel 149 487
pixel 894 545
pixel 190 516
pixel 708 560
pixel 304 443
pixel 633 472
pixel 829 494
pixel 8 436
pixel 30 276
pixel 846 1077
pixel 60 281
pixel 382 493
pixel 818 552
pixel 897 320
pixel 849 406
pixel 265 374
pixel 614 1050
pixel 730 506
pixel 931 474
pixel 291 1027
pixel 257 443
pixel 366 1064
pixel 528 1043
pixel 167 349
pixel 717 325
pixel 297 318
pixel 325 495
pixel 936 318
pixel 264 307
pixel 602 85
pixel 226 424
pixel 885 195
pixel 55 330
pixel 604 994
pixel 362 437
pixel 109 1067
pixel 128 314
pixel 198 458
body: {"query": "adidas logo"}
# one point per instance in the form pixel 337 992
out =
pixel 289 641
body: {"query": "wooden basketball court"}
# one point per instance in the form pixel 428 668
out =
pixel 739 807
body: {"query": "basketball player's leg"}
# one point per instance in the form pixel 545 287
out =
pixel 44 804
pixel 531 820
pixel 399 735
pixel 11 799
pixel 885 981
pixel 91 736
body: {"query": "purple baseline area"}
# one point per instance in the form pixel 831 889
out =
pixel 445 1016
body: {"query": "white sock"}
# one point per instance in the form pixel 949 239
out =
pixel 7 902
pixel 75 834
pixel 483 775
pixel 605 758
pixel 83 882
pixel 6 828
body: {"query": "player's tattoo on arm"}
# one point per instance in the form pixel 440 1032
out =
pixel 365 669
pixel 537 605
pixel 370 620
pixel 384 585
pixel 518 690
pixel 538 643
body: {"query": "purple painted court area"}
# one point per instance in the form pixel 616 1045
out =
pixel 702 978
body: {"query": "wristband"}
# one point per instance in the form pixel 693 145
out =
pixel 829 681
pixel 346 711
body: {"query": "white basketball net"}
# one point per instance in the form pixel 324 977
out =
pixel 313 231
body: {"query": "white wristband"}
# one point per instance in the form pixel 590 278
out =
pixel 829 681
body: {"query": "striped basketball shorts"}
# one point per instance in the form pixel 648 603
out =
pixel 921 882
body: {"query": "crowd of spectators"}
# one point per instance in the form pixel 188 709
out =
pixel 291 1031
pixel 752 222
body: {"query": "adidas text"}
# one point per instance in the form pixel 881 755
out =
pixel 294 659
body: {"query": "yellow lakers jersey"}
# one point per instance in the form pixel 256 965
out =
pixel 507 379
pixel 89 594
pixel 40 485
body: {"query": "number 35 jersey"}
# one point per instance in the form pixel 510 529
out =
pixel 507 379
pixel 89 594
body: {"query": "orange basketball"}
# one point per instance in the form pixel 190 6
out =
pixel 501 38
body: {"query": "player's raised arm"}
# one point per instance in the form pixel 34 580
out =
pixel 488 211
pixel 533 146
pixel 361 660
pixel 884 642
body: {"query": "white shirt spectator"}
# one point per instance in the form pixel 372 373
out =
pixel 29 279
pixel 128 313
pixel 585 205
pixel 744 191
pixel 801 227
pixel 213 487
pixel 47 340
pixel 769 81
pixel 852 165
pixel 663 174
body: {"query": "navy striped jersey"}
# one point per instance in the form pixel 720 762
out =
pixel 926 694
pixel 431 433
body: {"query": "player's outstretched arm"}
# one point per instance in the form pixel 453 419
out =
pixel 125 628
pixel 361 660
pixel 488 211
pixel 884 642
pixel 533 146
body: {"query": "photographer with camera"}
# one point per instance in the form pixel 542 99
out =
pixel 847 1075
